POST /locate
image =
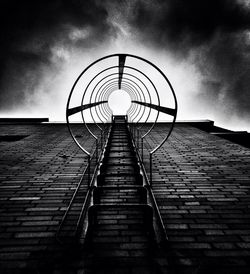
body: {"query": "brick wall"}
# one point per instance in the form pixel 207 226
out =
pixel 38 175
pixel 201 183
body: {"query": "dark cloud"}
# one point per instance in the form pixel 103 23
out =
pixel 29 30
pixel 212 34
pixel 188 22
pixel 226 61
pixel 215 33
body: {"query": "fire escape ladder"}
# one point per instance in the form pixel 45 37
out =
pixel 113 213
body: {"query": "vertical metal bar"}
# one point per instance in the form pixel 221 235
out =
pixel 96 151
pixel 88 170
pixel 139 141
pixel 102 135
pixel 150 168
pixel 142 149
pixel 122 58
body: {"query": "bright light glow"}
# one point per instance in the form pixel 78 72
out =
pixel 48 96
pixel 119 101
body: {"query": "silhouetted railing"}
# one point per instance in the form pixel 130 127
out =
pixel 93 87
pixel 83 192
pixel 147 87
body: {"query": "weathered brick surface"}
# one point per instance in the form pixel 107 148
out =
pixel 38 176
pixel 201 183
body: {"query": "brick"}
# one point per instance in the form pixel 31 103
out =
pixel 24 198
pixel 42 209
pixel 209 226
pixel 182 239
pixel 176 226
pixel 14 255
pixel 224 246
pixel 244 245
pixel 131 246
pixel 192 245
pixel 34 234
pixel 40 223
pixel 227 253
pixel 214 232
pixel 200 181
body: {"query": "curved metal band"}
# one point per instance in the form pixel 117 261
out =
pixel 123 81
pixel 98 106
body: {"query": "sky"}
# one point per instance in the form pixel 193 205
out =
pixel 202 46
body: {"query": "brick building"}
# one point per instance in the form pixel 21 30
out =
pixel 201 183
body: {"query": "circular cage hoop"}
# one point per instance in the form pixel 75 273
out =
pixel 100 107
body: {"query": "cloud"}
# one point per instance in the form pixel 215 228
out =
pixel 37 36
pixel 212 34
pixel 38 39
pixel 188 23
